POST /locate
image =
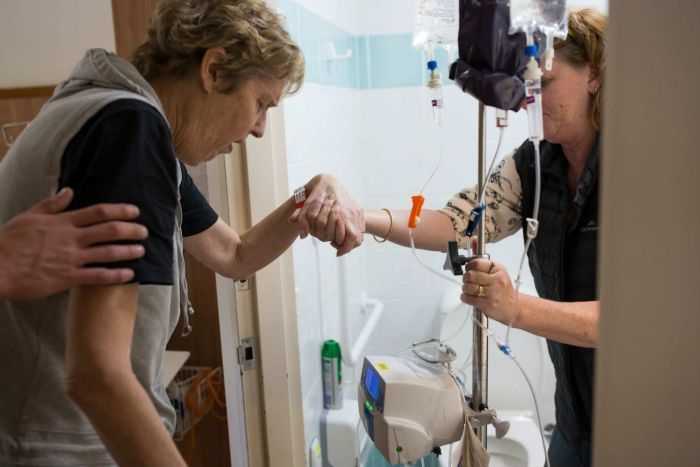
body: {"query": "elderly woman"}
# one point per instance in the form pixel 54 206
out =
pixel 563 256
pixel 83 367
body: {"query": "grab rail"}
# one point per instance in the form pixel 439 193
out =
pixel 352 353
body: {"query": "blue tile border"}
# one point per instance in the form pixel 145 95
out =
pixel 377 61
pixel 394 62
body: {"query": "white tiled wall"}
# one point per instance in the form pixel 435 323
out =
pixel 324 127
pixel 347 15
pixel 386 16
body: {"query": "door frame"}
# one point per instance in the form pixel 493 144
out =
pixel 220 175
pixel 276 302
pixel 244 187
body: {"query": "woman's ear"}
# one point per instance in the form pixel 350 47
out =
pixel 209 68
pixel 594 80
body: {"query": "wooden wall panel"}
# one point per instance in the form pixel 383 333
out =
pixel 131 23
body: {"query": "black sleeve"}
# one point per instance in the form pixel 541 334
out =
pixel 197 214
pixel 124 154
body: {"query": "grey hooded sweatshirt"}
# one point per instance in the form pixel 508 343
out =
pixel 39 423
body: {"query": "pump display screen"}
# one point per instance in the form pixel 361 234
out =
pixel 372 382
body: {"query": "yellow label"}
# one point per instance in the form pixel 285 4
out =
pixel 383 366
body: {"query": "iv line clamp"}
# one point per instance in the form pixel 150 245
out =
pixel 455 262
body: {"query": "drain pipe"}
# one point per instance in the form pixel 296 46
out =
pixel 480 366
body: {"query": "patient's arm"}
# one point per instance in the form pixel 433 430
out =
pixel 100 380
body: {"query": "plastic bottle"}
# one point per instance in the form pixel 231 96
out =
pixel 332 375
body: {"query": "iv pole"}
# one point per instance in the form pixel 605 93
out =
pixel 480 369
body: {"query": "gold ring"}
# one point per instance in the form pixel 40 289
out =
pixel 481 291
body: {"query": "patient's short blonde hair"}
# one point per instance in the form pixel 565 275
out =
pixel 252 34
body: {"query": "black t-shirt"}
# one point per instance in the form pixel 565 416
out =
pixel 124 154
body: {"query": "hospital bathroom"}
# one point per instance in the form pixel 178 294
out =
pixel 364 115
pixel 320 361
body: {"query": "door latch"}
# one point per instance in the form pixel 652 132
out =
pixel 246 353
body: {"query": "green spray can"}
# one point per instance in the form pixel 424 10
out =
pixel 332 375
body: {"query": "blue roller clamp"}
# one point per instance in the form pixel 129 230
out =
pixel 474 219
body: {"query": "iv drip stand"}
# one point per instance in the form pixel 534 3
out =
pixel 480 373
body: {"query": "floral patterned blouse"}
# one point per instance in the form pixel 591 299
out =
pixel 503 199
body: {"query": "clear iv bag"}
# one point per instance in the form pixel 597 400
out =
pixel 437 23
pixel 547 16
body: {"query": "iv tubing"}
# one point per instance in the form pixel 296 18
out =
pixel 481 199
pixel 503 347
pixel 493 163
pixel 437 166
pixel 467 361
pixel 537 407
pixel 418 199
pixel 434 271
pixel 432 366
pixel 459 329
pixel 533 89
pixel 531 232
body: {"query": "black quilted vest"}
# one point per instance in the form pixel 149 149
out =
pixel 563 262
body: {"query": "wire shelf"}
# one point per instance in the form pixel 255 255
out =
pixel 193 393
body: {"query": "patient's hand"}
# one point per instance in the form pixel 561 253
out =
pixel 331 214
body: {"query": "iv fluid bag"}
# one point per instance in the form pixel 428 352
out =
pixel 546 16
pixel 490 60
pixel 436 22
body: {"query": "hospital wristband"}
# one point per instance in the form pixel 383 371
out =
pixel 300 197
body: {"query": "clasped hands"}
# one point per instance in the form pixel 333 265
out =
pixel 330 214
